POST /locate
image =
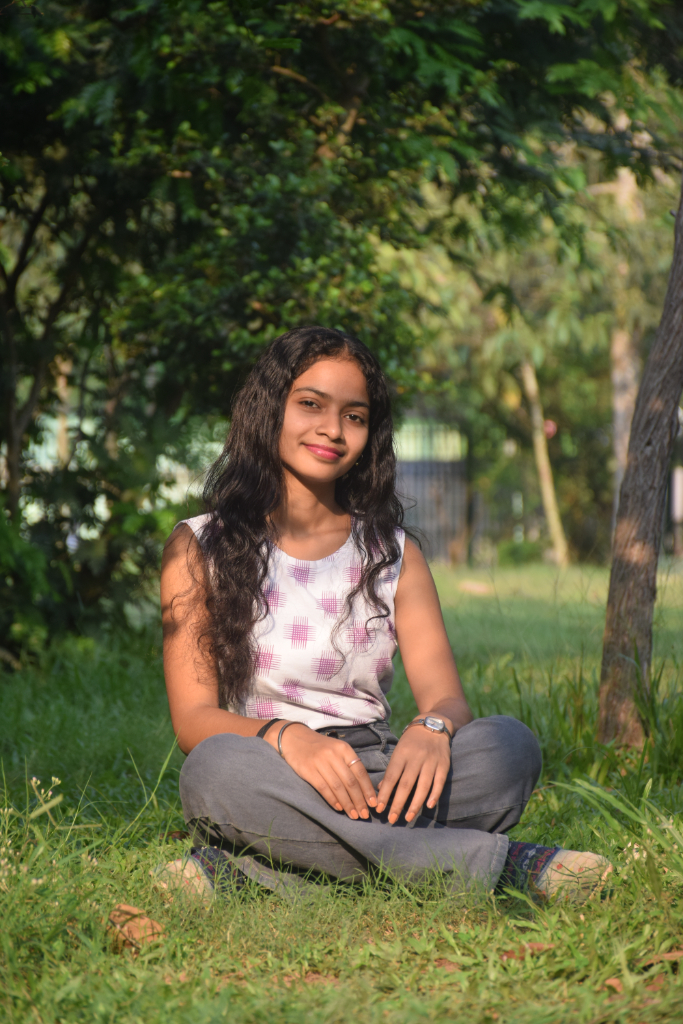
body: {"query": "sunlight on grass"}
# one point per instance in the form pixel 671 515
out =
pixel 94 715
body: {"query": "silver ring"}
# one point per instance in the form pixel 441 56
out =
pixel 352 762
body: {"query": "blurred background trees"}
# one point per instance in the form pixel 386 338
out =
pixel 479 190
pixel 554 303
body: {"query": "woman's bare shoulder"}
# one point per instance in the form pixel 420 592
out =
pixel 183 556
pixel 187 534
pixel 412 557
pixel 196 525
pixel 179 542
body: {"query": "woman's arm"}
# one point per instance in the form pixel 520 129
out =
pixel 192 687
pixel 424 644
pixel 191 676
pixel 422 759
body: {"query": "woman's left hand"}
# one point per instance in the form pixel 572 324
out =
pixel 421 757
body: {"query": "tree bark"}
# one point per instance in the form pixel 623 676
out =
pixel 13 442
pixel 545 473
pixel 63 367
pixel 623 354
pixel 624 370
pixel 627 641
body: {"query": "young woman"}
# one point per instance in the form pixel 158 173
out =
pixel 283 606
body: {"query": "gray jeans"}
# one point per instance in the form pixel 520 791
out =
pixel 239 792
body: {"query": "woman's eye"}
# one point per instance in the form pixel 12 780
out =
pixel 309 403
pixel 356 418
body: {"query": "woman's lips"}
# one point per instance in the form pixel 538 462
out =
pixel 323 452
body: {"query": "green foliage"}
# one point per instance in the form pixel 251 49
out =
pixel 24 591
pixel 556 298
pixel 511 552
pixel 199 177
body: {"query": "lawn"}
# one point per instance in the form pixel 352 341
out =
pixel 528 642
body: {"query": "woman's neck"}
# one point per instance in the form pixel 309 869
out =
pixel 309 524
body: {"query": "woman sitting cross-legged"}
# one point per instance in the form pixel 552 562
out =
pixel 283 606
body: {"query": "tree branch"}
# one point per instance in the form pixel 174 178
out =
pixel 22 256
pixel 346 129
pixel 288 73
pixel 8 330
pixel 9 407
pixel 24 414
pixel 80 412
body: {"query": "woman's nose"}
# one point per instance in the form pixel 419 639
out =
pixel 332 426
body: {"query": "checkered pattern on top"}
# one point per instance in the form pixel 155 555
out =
pixel 331 605
pixel 261 707
pixel 306 669
pixel 300 632
pixel 302 573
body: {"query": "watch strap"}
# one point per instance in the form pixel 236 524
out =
pixel 421 721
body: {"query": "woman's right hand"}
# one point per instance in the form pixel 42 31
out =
pixel 331 766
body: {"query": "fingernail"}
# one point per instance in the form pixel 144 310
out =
pixel 338 807
pixel 372 801
pixel 409 816
pixel 364 813
pixel 380 808
pixel 393 818
pixel 353 814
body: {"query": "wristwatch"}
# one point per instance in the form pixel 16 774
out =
pixel 431 723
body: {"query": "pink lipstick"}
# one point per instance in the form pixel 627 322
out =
pixel 323 452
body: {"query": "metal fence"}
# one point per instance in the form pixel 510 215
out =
pixel 433 484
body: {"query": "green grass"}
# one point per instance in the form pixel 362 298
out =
pixel 95 716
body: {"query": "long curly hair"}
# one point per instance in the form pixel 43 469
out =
pixel 245 486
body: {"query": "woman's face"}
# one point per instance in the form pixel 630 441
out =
pixel 325 427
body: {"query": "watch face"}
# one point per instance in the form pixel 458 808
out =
pixel 435 724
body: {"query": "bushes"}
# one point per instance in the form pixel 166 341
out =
pixel 513 552
pixel 24 591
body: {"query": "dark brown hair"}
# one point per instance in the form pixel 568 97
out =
pixel 245 486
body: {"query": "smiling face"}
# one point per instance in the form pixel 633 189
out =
pixel 325 426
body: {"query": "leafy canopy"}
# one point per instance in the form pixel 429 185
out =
pixel 183 180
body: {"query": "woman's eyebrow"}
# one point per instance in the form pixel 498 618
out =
pixel 323 394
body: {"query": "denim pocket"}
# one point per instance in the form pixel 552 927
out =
pixel 374 758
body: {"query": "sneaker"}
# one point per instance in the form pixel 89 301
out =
pixel 574 876
pixel 206 871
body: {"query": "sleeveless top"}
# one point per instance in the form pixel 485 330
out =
pixel 303 672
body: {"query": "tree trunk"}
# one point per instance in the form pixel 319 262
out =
pixel 627 642
pixel 624 368
pixel 13 489
pixel 545 473
pixel 64 368
pixel 12 437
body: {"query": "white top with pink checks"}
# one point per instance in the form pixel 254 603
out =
pixel 303 673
